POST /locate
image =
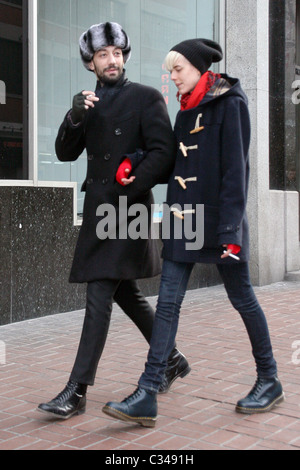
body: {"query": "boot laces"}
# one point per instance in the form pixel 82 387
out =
pixel 67 392
pixel 133 396
pixel 257 387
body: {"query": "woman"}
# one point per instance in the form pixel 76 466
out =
pixel 212 168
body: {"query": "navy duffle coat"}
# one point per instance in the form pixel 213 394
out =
pixel 215 137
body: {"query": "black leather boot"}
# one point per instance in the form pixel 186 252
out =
pixel 178 366
pixel 140 408
pixel 71 401
pixel 265 394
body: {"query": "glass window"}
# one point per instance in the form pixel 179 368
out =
pixel 13 90
pixel 153 26
pixel 284 95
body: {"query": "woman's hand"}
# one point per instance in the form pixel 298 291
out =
pixel 230 250
pixel 123 173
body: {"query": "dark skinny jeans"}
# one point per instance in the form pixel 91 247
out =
pixel 174 281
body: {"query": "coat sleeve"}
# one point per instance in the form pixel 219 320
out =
pixel 70 141
pixel 235 141
pixel 159 148
pixel 135 158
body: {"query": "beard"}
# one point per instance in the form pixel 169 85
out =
pixel 107 79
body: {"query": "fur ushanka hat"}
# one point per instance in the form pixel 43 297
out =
pixel 103 35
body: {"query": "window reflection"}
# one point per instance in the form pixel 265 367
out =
pixel 153 26
pixel 13 85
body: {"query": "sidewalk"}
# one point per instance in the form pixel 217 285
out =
pixel 198 413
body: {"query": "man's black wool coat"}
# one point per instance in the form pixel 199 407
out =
pixel 129 116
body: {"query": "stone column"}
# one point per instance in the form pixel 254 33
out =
pixel 270 212
pixel 247 43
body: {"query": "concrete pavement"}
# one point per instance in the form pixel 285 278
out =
pixel 197 414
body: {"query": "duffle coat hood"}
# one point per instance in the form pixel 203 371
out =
pixel 212 169
pixel 129 120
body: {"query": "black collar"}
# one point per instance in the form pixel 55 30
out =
pixel 122 80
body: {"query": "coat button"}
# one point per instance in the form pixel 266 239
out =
pixel 90 181
pixel 118 131
pixel 105 181
pixel 90 157
pixel 107 157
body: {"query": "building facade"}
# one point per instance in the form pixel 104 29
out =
pixel 40 198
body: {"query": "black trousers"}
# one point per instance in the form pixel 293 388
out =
pixel 100 297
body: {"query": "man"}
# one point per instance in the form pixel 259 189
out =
pixel 121 121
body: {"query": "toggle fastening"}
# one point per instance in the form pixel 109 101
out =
pixel 182 182
pixel 198 128
pixel 180 214
pixel 185 149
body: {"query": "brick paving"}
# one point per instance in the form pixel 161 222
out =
pixel 197 414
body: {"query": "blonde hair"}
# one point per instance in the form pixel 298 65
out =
pixel 171 60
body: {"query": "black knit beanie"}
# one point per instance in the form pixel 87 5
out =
pixel 201 53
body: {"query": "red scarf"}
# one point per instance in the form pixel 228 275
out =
pixel 191 100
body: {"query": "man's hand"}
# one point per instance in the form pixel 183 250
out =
pixel 81 104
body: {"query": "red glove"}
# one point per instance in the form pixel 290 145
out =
pixel 124 171
pixel 235 249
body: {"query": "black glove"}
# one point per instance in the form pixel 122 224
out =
pixel 78 109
